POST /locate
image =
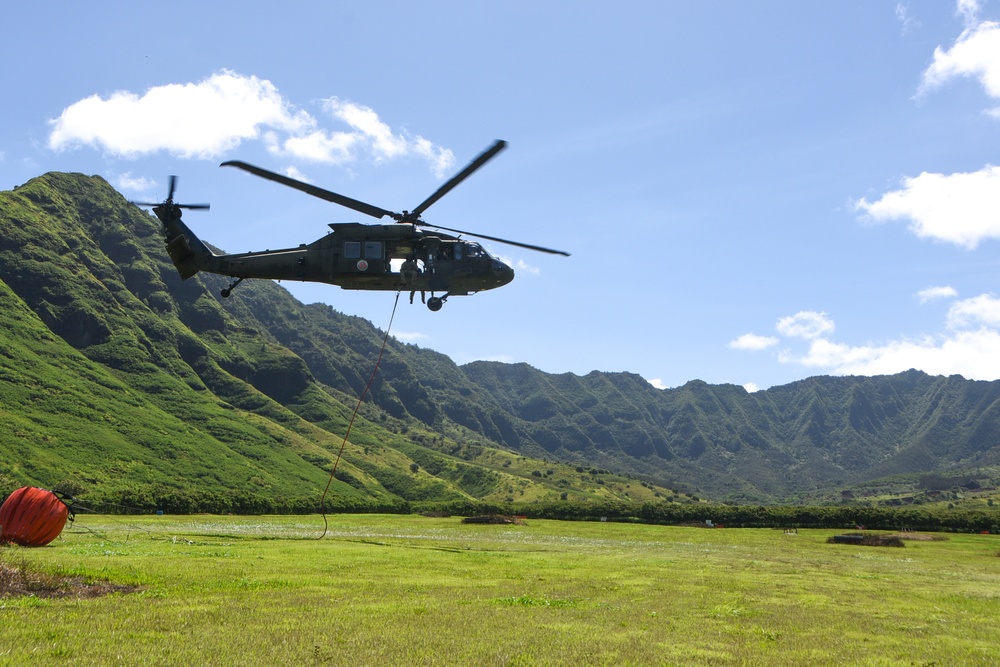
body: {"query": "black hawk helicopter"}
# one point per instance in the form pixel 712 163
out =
pixel 354 255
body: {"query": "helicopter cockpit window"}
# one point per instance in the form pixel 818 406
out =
pixel 352 249
pixel 475 250
pixel 373 250
pixel 446 251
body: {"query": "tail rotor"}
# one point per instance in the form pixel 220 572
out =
pixel 169 204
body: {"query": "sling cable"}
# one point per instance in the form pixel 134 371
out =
pixel 336 463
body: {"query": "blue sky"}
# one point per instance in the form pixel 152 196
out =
pixel 752 193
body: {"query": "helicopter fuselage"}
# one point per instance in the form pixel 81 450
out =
pixel 352 256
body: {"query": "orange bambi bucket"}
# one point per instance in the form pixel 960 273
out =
pixel 32 517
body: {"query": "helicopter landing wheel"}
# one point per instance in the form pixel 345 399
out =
pixel 435 303
pixel 229 289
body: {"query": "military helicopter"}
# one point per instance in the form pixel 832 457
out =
pixel 409 254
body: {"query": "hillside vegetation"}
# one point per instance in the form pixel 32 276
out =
pixel 123 385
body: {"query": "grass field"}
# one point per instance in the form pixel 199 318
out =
pixel 410 590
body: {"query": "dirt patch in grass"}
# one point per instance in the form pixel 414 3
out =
pixel 867 540
pixel 21 581
pixel 495 519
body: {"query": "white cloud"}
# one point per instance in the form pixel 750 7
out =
pixel 441 159
pixel 962 208
pixel 193 120
pixel 293 172
pixel 979 311
pixel 384 144
pixel 976 53
pixel 751 387
pixel 657 383
pixel 216 115
pixel 751 341
pixel 367 133
pixel 805 324
pixel 127 181
pixel 318 146
pixel 969 346
pixel 932 293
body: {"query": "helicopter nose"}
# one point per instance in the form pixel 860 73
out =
pixel 503 273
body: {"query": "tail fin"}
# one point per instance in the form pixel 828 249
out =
pixel 186 250
pixel 188 253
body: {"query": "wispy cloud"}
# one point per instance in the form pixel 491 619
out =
pixel 933 293
pixel 968 10
pixel 409 336
pixel 805 324
pixel 906 18
pixel 519 265
pixel 206 119
pixel 132 183
pixel 750 341
pixel 464 358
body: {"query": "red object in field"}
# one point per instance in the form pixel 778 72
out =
pixel 32 517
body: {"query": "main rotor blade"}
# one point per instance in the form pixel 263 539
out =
pixel 458 178
pixel 507 241
pixel 359 206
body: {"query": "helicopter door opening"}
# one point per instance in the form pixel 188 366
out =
pixel 375 255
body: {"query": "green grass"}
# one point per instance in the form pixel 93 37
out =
pixel 409 590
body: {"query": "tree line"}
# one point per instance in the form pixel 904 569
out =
pixel 918 518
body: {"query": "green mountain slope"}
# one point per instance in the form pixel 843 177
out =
pixel 124 384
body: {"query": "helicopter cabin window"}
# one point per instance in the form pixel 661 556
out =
pixel 352 249
pixel 373 250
